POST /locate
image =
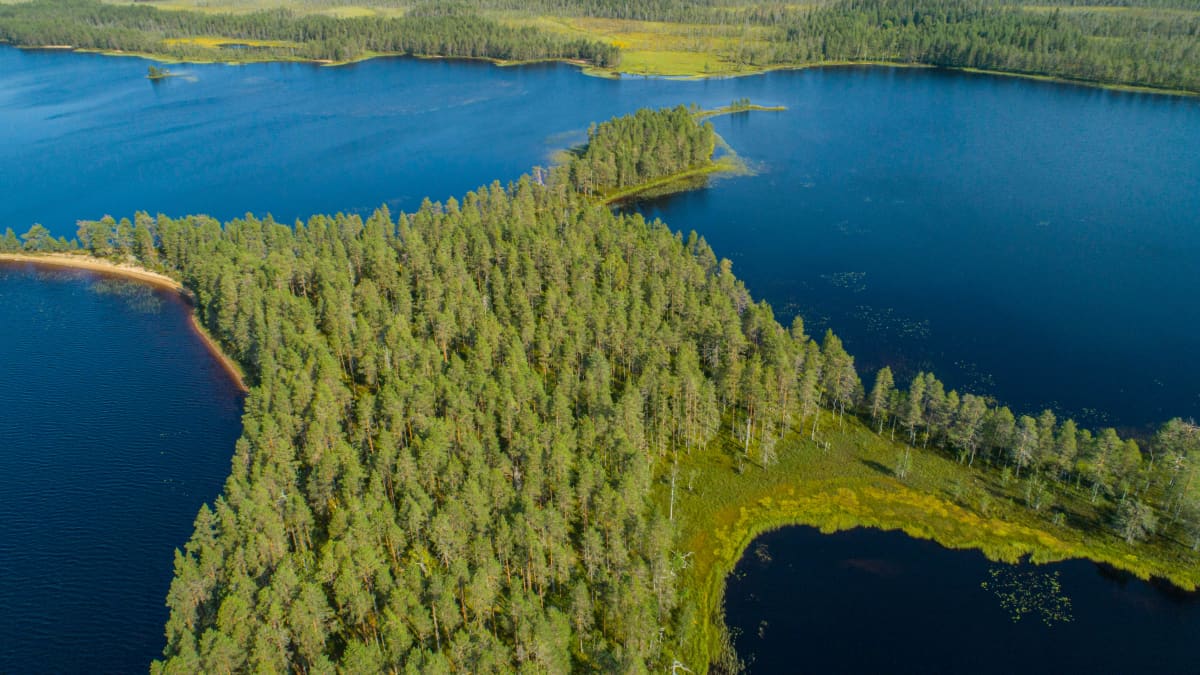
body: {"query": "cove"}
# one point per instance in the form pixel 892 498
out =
pixel 118 424
pixel 866 600
pixel 1028 240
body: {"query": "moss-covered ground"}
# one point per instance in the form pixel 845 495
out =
pixel 845 479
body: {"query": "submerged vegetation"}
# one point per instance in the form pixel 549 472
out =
pixel 1140 43
pixel 1030 592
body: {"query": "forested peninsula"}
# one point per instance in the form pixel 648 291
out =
pixel 521 432
pixel 1141 44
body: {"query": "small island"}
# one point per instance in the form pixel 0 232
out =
pixel 154 73
pixel 652 154
pixel 741 105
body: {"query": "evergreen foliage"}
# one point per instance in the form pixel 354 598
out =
pixel 465 421
pixel 93 24
pixel 1154 43
pixel 641 147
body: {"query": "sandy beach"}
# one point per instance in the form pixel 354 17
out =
pixel 83 262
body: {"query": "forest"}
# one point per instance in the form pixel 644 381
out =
pixel 466 424
pixel 641 147
pixel 282 34
pixel 1148 43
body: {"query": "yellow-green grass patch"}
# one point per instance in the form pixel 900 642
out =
pixel 214 42
pixel 845 480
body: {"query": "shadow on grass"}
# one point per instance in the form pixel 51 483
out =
pixel 878 467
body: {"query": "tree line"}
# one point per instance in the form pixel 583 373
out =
pixel 459 419
pixel 1158 479
pixel 1158 45
pixel 1154 46
pixel 1151 49
pixel 94 24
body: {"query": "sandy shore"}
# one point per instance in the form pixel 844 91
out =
pixel 83 262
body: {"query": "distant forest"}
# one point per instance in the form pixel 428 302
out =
pixel 1043 37
pixel 90 24
pixel 1150 43
pixel 462 421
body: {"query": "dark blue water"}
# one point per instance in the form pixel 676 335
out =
pixel 117 426
pixel 1029 240
pixel 866 601
pixel 1033 241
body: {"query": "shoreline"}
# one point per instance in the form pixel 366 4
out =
pixel 835 489
pixel 665 183
pixel 143 275
pixel 616 73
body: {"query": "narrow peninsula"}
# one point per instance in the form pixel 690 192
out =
pixel 521 431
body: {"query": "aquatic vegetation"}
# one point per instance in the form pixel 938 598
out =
pixel 1029 592
pixel 855 282
pixel 891 323
pixel 137 296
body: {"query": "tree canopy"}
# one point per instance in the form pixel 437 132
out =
pixel 460 419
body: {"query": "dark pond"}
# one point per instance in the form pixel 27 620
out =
pixel 867 601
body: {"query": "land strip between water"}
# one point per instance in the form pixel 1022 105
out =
pixel 619 71
pixel 834 473
pixel 846 479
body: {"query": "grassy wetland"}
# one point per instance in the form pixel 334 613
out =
pixel 847 478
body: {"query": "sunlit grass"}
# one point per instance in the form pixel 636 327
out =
pixel 213 42
pixel 655 47
pixel 1106 9
pixel 729 500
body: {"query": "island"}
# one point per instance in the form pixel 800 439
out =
pixel 156 73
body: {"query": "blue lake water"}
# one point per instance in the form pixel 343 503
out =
pixel 117 426
pixel 1032 241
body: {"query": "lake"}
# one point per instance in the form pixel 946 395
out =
pixel 118 425
pixel 868 601
pixel 1033 241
